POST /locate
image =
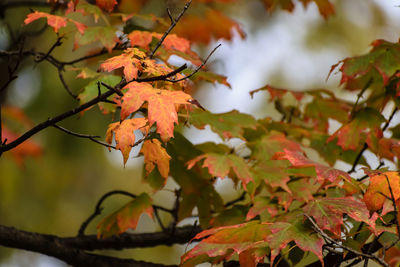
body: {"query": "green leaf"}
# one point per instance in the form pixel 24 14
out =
pixel 91 91
pixel 106 36
pixel 226 125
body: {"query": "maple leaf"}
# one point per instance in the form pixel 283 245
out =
pixel 173 42
pixel 298 159
pixel 328 212
pixel 320 110
pixel 260 205
pixel 208 77
pixel 219 165
pixel 277 93
pixel 388 148
pixel 155 154
pixel 211 24
pixel 161 105
pixel 265 147
pixel 84 8
pixel 197 185
pixel 227 125
pixel 140 38
pixel 104 34
pixel 365 127
pixel 378 189
pixel 107 5
pixel 126 217
pixel 325 8
pixel 222 241
pixel 56 22
pixel 130 60
pixel 124 134
pixel 378 66
pixel 304 237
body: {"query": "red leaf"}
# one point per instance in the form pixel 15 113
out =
pixel 107 5
pixel 365 127
pixel 298 159
pixel 328 212
pixel 221 241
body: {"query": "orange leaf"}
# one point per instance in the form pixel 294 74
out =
pixel 155 154
pixel 129 60
pixel 378 189
pixel 140 38
pixel 124 134
pixel 161 105
pixel 54 21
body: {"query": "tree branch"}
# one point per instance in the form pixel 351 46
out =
pixel 71 250
pixel 53 121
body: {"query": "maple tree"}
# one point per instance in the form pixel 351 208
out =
pixel 292 210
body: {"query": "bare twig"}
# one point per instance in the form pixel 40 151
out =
pixel 117 91
pixel 396 221
pixel 198 68
pixel 98 209
pixel 162 77
pixel 61 76
pixel 173 24
pixel 90 137
pixel 56 44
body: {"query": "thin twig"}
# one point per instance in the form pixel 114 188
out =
pixel 337 244
pixel 359 155
pixel 162 77
pixel 389 119
pixel 117 91
pixel 394 206
pixel 90 137
pixel 198 68
pixel 173 24
pixel 56 44
pixel 232 202
pixel 60 75
pixel 98 209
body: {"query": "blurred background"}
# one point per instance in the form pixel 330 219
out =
pixel 56 192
